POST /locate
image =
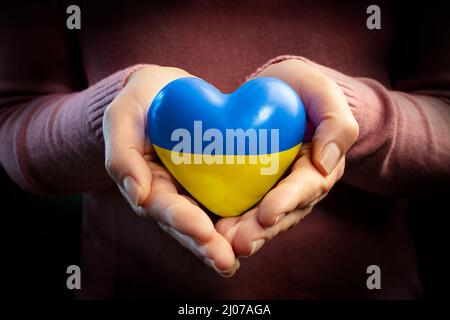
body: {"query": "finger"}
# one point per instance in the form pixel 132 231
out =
pixel 180 216
pixel 227 227
pixel 332 139
pixel 165 205
pixel 158 170
pixel 251 236
pixel 217 253
pixel 299 189
pixel 124 134
pixel 124 128
pixel 220 256
pixel 288 221
pixel 326 106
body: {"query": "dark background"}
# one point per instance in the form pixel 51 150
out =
pixel 41 238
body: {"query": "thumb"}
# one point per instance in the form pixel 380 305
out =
pixel 327 107
pixel 332 139
pixel 124 133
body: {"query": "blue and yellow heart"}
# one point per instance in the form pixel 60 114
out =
pixel 227 150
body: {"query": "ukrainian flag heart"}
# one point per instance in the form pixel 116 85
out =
pixel 227 150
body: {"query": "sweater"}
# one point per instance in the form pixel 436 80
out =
pixel 55 84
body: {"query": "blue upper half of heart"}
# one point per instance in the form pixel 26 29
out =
pixel 269 107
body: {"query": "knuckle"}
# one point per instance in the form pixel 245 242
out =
pixel 269 70
pixel 147 70
pixel 176 72
pixel 288 64
pixel 293 63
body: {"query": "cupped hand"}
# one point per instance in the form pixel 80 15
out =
pixel 147 186
pixel 320 163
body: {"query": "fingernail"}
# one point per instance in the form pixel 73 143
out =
pixel 226 273
pixel 256 245
pixel 329 157
pixel 278 219
pixel 230 234
pixel 132 189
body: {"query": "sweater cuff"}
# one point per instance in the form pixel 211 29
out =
pixel 100 95
pixel 361 97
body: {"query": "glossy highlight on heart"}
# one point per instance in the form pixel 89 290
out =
pixel 227 150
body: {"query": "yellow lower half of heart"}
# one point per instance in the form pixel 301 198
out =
pixel 228 185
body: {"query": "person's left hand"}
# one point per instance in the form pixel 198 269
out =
pixel 319 165
pixel 291 200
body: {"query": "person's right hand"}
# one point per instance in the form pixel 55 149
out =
pixel 148 187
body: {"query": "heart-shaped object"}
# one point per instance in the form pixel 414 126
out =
pixel 227 150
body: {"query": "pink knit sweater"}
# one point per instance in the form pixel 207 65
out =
pixel 56 83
